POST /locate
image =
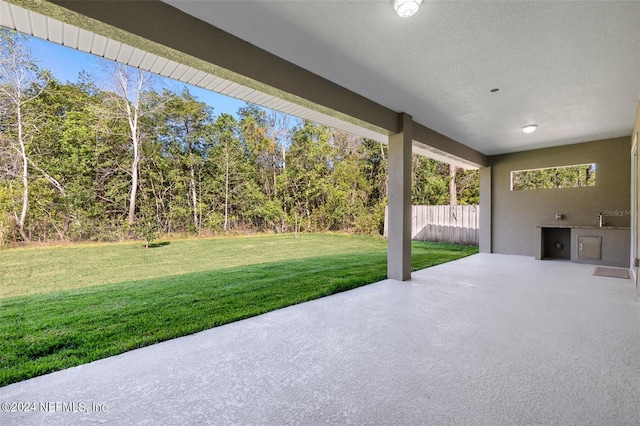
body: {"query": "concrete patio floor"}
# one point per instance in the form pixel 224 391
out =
pixel 486 340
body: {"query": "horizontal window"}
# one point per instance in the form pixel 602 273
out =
pixel 554 177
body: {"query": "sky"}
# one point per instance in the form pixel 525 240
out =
pixel 65 64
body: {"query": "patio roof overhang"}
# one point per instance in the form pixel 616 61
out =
pixel 157 37
pixel 570 67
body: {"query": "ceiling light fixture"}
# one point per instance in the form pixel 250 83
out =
pixel 529 128
pixel 406 8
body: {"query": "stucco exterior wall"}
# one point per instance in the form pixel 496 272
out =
pixel 635 136
pixel 515 213
pixel 636 127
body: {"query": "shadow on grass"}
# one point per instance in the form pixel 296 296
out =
pixel 49 332
pixel 160 244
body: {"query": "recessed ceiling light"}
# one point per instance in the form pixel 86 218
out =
pixel 494 90
pixel 529 128
pixel 406 8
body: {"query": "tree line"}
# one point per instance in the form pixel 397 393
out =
pixel 122 154
pixel 554 177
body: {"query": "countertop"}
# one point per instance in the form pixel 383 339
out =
pixel 583 226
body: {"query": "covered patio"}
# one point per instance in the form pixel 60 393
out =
pixel 490 339
pixel 460 82
pixel 494 339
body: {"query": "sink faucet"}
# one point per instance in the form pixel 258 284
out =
pixel 600 221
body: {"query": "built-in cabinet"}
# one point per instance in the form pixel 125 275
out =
pixel 589 247
pixel 605 245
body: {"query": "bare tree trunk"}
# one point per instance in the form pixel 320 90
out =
pixel 19 77
pixel 132 116
pixel 131 107
pixel 384 186
pixel 194 195
pixel 159 207
pixel 284 159
pixel 226 190
pixel 134 182
pixel 296 228
pixel 275 183
pixel 453 190
pixel 25 175
pixel 200 194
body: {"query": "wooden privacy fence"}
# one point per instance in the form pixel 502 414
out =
pixel 451 224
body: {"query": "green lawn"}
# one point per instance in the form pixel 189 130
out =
pixel 65 306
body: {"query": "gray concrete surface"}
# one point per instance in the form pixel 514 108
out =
pixel 487 340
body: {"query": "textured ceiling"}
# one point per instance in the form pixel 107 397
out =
pixel 572 67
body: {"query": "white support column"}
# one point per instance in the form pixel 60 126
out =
pixel 399 231
pixel 486 231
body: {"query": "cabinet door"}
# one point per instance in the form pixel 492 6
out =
pixel 590 247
